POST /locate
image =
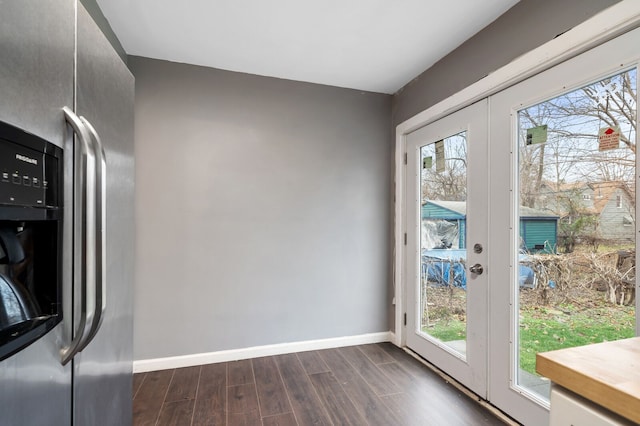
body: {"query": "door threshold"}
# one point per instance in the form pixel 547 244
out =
pixel 459 386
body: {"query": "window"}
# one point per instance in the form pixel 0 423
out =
pixel 618 201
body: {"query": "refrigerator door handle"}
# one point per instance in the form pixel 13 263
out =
pixel 100 236
pixel 84 268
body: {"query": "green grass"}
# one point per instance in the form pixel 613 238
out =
pixel 453 330
pixel 543 330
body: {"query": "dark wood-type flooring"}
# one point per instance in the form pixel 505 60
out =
pixel 376 384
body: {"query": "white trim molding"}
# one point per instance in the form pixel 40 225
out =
pixel 608 24
pixel 145 365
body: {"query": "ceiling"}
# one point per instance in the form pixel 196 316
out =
pixel 371 45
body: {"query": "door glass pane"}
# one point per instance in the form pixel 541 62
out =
pixel 576 275
pixel 443 298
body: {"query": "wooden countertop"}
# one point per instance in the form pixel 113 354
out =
pixel 605 373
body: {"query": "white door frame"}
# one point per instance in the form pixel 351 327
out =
pixel 614 21
pixel 469 369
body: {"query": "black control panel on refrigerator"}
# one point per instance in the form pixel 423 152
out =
pixel 30 238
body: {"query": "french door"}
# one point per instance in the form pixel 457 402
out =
pixel 563 181
pixel 447 233
pixel 525 241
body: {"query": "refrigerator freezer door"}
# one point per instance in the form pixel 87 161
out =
pixel 36 70
pixel 105 95
pixel 36 80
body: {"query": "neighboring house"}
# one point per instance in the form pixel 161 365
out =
pixel 611 203
pixel 444 226
pixel 614 204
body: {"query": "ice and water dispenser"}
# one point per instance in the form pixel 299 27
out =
pixel 30 238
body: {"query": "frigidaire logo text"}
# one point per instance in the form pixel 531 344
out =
pixel 26 159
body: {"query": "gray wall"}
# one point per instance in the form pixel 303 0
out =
pixel 262 210
pixel 270 222
pixel 527 25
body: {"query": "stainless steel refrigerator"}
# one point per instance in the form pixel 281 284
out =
pixel 61 80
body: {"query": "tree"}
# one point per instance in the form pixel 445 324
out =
pixel 571 153
pixel 449 184
pixel 576 222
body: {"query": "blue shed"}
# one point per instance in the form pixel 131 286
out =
pixel 538 230
pixel 444 226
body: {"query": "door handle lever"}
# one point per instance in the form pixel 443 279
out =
pixel 477 269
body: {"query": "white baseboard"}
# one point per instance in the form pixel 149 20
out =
pixel 145 365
